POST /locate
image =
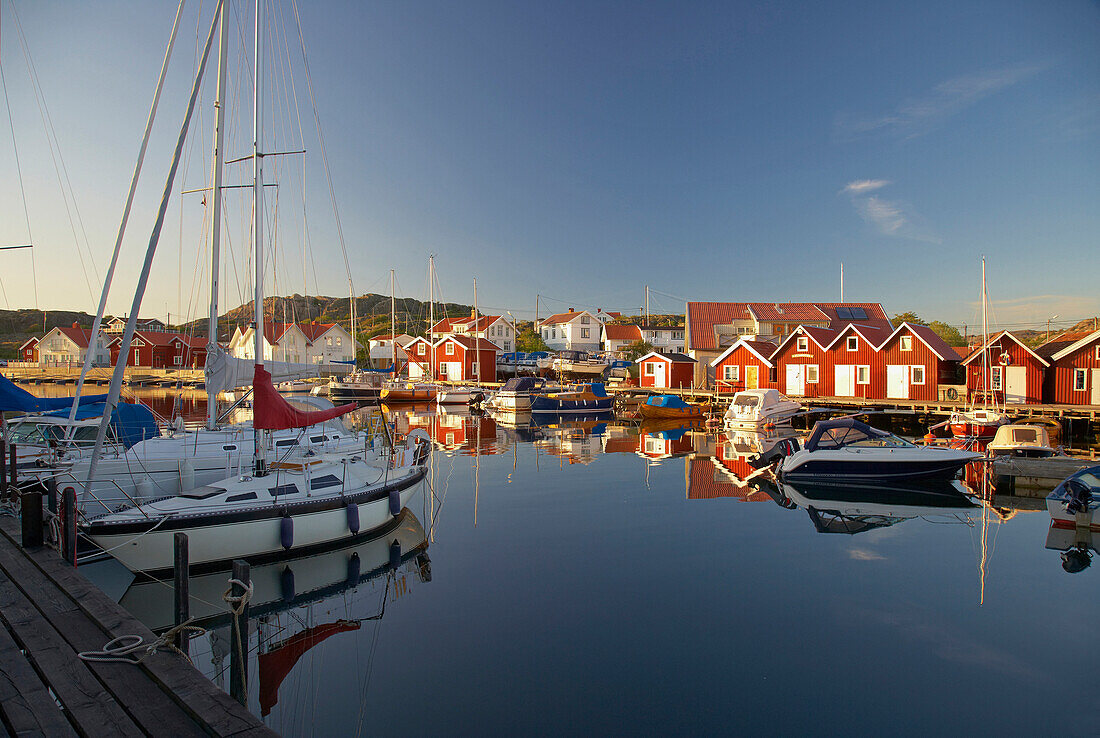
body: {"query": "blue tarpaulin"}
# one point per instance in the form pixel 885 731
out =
pixel 666 401
pixel 131 423
pixel 16 399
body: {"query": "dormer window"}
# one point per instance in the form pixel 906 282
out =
pixel 802 343
pixel 906 343
pixel 853 343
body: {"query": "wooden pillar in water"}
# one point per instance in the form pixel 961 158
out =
pixel 181 571
pixel 68 526
pixel 31 517
pixel 238 661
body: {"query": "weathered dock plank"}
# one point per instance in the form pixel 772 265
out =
pixel 25 704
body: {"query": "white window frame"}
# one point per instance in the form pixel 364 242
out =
pixel 913 372
pixel 585 332
pixel 853 343
pixel 177 360
pixel 995 379
pixel 1080 380
pixel 863 374
pixel 585 320
pixel 906 343
pixel 651 368
pixel 812 369
pixel 802 344
pixel 421 349
pixel 449 349
pixel 473 369
pixel 731 373
pixel 1097 352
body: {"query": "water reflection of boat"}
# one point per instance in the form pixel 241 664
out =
pixel 665 440
pixel 757 449
pixel 856 508
pixel 589 398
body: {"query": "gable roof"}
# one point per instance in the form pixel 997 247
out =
pixel 468 343
pixel 314 330
pixel 929 338
pixel 80 336
pixel 675 358
pixel 1067 343
pixel 875 337
pixel 981 349
pixel 788 311
pixel 558 318
pixel 32 339
pixel 702 317
pixel 623 332
pixel 823 337
pixel 763 350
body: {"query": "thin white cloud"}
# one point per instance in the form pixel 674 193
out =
pixel 863 186
pixel 916 116
pixel 1032 311
pixel 862 554
pixel 885 215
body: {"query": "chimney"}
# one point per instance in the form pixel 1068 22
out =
pixel 571 309
pixel 75 324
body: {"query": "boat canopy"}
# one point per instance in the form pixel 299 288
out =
pixel 14 398
pixel 131 423
pixel 621 364
pixel 830 434
pixel 598 389
pixel 667 401
pixel 520 384
pixel 271 411
pixel 512 356
pixel 538 355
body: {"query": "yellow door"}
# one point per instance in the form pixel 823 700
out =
pixel 751 379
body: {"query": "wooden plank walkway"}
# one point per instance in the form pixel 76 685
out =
pixel 48 614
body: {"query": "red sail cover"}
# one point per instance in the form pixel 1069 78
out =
pixel 271 411
pixel 277 663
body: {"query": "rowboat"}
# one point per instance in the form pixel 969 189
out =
pixel 669 406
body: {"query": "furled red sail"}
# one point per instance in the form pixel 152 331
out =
pixel 271 411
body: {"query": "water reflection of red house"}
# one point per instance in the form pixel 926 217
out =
pixel 733 462
pixel 620 445
pixel 663 445
pixel 706 480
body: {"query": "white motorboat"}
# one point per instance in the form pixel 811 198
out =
pixel 1023 439
pixel 1074 503
pixel 578 364
pixel 756 408
pixel 359 385
pixel 459 395
pixel 516 394
pixel 844 450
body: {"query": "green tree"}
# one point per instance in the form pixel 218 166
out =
pixel 948 333
pixel 907 317
pixel 527 340
pixel 637 350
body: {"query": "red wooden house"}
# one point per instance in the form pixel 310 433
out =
pixel 746 365
pixel 456 359
pixel 855 363
pixel 162 350
pixel 28 352
pixel 1016 372
pixel 1074 374
pixel 913 362
pixel 419 355
pixel 802 362
pixel 663 370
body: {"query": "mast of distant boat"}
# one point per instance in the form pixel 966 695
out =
pixel 257 225
pixel 477 336
pixel 393 325
pixel 986 364
pixel 216 213
pixel 431 316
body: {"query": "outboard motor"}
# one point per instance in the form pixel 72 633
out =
pixel 1080 496
pixel 1076 560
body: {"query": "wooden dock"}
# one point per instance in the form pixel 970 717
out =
pixel 49 614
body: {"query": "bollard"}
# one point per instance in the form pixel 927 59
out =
pixel 51 495
pixel 13 469
pixel 3 462
pixel 68 526
pixel 238 660
pixel 31 514
pixel 181 575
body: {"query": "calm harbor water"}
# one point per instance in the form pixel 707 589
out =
pixel 589 576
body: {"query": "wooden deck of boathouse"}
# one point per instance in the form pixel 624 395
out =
pixel 49 613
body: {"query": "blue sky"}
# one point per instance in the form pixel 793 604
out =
pixel 715 151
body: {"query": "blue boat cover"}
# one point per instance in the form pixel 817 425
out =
pixel 621 364
pixel 598 390
pixel 16 399
pixel 342 361
pixel 840 432
pixel 538 354
pixel 520 384
pixel 667 401
pixel 131 423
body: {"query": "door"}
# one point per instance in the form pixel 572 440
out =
pixel 796 379
pixel 752 377
pixel 1095 387
pixel 1015 384
pixel 897 382
pixel 846 380
pixel 659 374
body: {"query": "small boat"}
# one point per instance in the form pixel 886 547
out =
pixel 359 385
pixel 755 408
pixel 394 392
pixel 1021 440
pixel 978 424
pixel 1074 502
pixel 516 394
pixel 517 363
pixel 578 364
pixel 589 398
pixel 669 406
pixel 845 450
pixel 459 395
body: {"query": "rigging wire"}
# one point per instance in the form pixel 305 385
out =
pixel 22 192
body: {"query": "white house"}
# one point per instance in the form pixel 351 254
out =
pixel 495 328
pixel 69 346
pixel 300 343
pixel 382 348
pixel 574 330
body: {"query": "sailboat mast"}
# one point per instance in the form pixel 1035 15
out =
pixel 431 316
pixel 216 212
pixel 985 336
pixel 477 336
pixel 257 224
pixel 393 324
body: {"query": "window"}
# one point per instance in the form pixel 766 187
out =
pixel 995 378
pixel 906 343
pixel 853 343
pixel 802 344
pixel 554 333
pixel 584 320
pixel 650 368
pixel 811 373
pixel 450 350
pixel 584 332
pixel 1098 352
pixel 421 349
pixel 677 335
pixel 473 369
pixel 177 360
pixel 1079 379
pixel 916 375
pixel 863 375
pixel 339 341
pixel 773 374
pixel 731 373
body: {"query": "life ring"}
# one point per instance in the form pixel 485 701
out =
pixel 1004 359
pixel 952 393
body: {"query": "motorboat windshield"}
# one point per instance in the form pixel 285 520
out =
pixel 847 432
pixel 746 400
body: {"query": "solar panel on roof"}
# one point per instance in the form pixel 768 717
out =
pixel 843 312
pixel 858 313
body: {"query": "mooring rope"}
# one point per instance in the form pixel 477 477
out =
pixel 124 649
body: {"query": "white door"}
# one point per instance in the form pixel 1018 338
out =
pixel 659 374
pixel 796 379
pixel 846 380
pixel 897 381
pixel 1095 387
pixel 1015 384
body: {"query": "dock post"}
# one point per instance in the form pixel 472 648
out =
pixel 181 570
pixel 238 660
pixel 31 517
pixel 51 495
pixel 13 470
pixel 68 526
pixel 3 462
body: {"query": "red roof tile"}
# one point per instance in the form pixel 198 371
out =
pixel 786 311
pixel 703 316
pixel 79 336
pixel 558 318
pixel 469 343
pixel 623 332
